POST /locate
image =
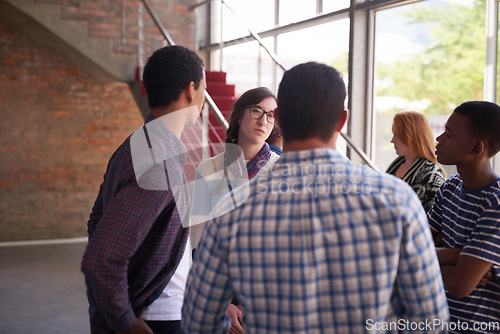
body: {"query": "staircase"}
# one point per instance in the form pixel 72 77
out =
pixel 223 96
pixel 100 38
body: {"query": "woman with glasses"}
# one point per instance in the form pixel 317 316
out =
pixel 246 155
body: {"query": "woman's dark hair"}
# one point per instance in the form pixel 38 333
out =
pixel 168 71
pixel 249 98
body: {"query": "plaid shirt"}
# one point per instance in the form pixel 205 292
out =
pixel 135 240
pixel 320 246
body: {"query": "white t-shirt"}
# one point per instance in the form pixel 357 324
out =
pixel 168 306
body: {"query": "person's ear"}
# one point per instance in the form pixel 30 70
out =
pixel 479 148
pixel 189 91
pixel 342 120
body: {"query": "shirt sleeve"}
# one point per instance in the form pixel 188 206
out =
pixel 419 290
pixel 484 241
pixel 96 213
pixel 120 231
pixel 208 291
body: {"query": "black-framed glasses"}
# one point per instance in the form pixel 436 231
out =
pixel 257 112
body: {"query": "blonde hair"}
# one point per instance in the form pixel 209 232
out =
pixel 415 132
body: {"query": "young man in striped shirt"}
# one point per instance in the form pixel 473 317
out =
pixel 465 217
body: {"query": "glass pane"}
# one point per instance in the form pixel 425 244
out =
pixel 335 5
pixel 294 11
pixel 257 15
pixel 426 62
pixel 240 62
pixel 267 67
pixel 326 43
pixel 249 65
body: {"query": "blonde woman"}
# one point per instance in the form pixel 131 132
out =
pixel 416 163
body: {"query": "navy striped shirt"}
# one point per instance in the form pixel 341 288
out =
pixel 470 219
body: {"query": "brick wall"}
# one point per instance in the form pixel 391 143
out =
pixel 118 21
pixel 58 130
pixel 58 126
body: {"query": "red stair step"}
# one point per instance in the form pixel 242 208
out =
pixel 216 89
pixel 215 76
pixel 224 102
pixel 212 119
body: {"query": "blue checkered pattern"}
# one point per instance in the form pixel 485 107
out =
pixel 320 246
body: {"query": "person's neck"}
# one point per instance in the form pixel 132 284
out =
pixel 409 159
pixel 310 144
pixel 250 150
pixel 173 117
pixel 478 175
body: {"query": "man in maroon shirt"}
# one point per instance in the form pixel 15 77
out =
pixel 136 239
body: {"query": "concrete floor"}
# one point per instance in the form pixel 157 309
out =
pixel 42 289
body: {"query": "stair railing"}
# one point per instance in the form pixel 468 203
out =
pixel 213 107
pixel 275 58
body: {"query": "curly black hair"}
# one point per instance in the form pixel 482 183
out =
pixel 484 122
pixel 167 73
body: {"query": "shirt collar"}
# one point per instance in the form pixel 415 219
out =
pixel 309 161
pixel 318 154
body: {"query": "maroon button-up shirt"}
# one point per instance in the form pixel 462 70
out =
pixel 136 240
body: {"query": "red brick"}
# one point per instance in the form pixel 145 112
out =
pixel 8 149
pixel 59 126
pixel 28 176
pixel 59 114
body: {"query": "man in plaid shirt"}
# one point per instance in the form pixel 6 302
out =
pixel 321 245
pixel 138 256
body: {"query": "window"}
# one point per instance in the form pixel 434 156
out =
pixel 335 5
pixel 257 15
pixel 294 11
pixel 426 62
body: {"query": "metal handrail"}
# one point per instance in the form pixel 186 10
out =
pixel 275 58
pixel 217 113
pixel 257 38
pixel 158 23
